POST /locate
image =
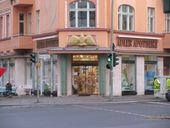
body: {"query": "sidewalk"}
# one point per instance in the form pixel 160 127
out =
pixel 31 100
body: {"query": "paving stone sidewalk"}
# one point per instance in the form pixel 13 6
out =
pixel 31 100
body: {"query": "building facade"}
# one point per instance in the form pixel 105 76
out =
pixel 72 40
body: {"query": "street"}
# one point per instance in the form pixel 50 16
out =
pixel 89 115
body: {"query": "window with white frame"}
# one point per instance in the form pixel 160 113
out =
pixel 82 14
pixel 167 22
pixel 29 23
pixel 151 19
pixel 7 25
pixel 21 23
pixel 126 18
pixel 38 21
pixel 1 22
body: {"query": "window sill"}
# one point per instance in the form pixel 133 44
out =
pixel 6 38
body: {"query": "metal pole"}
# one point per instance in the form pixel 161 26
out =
pixel 111 51
pixel 51 72
pixel 37 67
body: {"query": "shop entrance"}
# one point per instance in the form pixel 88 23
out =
pixel 85 77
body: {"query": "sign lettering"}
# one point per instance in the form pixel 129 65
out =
pixel 137 43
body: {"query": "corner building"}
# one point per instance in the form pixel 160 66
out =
pixel 72 38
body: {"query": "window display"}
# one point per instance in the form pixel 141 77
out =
pixel 128 73
pixel 150 72
pixel 85 80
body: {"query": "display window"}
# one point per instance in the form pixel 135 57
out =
pixel 150 72
pixel 166 66
pixel 128 74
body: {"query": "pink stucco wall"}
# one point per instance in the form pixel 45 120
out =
pixel 54 17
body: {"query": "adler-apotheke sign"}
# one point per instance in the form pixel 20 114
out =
pixel 137 42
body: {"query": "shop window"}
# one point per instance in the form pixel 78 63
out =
pixel 150 72
pixel 82 14
pixel 126 18
pixel 166 66
pixel 128 74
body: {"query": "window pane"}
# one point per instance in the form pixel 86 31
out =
pixel 72 19
pixel 0 27
pixel 82 4
pixel 21 24
pixel 92 5
pixel 131 23
pixel 124 21
pixel 128 76
pixel 130 9
pixel 29 23
pixel 168 26
pixel 73 5
pixel 151 25
pixel 92 18
pixel 21 28
pixel 119 21
pixel 82 19
pixel 21 17
pixel 124 8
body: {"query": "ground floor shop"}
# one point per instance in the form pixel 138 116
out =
pixel 85 74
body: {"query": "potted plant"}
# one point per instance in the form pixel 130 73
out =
pixel 47 91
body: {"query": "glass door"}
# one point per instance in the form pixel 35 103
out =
pixel 85 80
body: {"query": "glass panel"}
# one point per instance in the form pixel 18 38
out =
pixel 130 22
pixel 151 24
pixel 29 23
pixel 130 9
pixel 82 4
pixel 82 19
pixel 92 5
pixel 124 8
pixel 92 18
pixel 150 72
pixel 21 24
pixel 151 12
pixel 21 28
pixel 73 5
pixel 85 80
pixel 168 26
pixel 124 21
pixel 21 17
pixel 128 73
pixel 72 19
pixel 128 77
pixel 119 22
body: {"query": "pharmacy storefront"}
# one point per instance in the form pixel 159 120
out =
pixel 141 60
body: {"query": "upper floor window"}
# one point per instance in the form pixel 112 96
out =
pixel 82 14
pixel 21 23
pixel 1 19
pixel 29 23
pixel 167 22
pixel 151 19
pixel 7 26
pixel 38 21
pixel 126 18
